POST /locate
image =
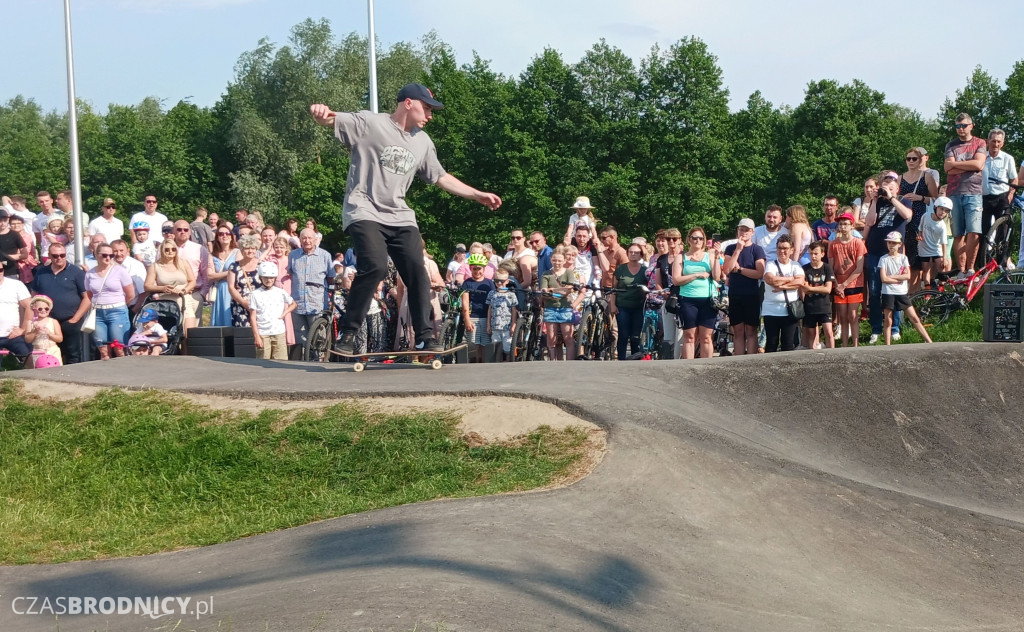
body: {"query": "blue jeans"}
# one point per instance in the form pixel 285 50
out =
pixel 112 325
pixel 875 295
pixel 630 321
pixel 17 346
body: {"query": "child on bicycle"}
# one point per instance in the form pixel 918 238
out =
pixel 933 235
pixel 474 305
pixel 502 312
pixel 894 268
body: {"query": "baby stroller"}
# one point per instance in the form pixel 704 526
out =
pixel 170 318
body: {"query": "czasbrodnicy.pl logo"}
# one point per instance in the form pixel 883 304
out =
pixel 152 607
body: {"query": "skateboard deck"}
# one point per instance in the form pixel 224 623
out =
pixel 433 357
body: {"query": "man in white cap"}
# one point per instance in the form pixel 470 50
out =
pixel 386 152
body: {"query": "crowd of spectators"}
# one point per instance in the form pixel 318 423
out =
pixel 855 262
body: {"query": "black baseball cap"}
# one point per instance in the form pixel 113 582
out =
pixel 421 93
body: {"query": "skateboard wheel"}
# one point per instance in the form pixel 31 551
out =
pixel 358 366
pixel 435 363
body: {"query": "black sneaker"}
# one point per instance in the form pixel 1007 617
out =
pixel 430 344
pixel 346 343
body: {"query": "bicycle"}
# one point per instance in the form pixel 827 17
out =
pixel 935 305
pixel 651 331
pixel 999 237
pixel 323 331
pixel 594 334
pixel 453 330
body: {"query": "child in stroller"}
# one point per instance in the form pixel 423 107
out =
pixel 149 337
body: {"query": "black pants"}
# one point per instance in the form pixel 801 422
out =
pixel 372 243
pixel 71 346
pixel 786 327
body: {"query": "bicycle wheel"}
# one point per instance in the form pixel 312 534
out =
pixel 998 240
pixel 649 340
pixel 1015 277
pixel 449 335
pixel 584 335
pixel 932 307
pixel 318 341
pixel 520 341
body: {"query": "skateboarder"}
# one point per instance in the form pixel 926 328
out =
pixel 387 150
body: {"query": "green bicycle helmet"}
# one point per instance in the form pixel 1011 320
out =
pixel 476 259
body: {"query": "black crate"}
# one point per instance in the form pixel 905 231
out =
pixel 247 351
pixel 210 342
pixel 1003 313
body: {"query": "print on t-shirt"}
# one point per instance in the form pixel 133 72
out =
pixel 397 160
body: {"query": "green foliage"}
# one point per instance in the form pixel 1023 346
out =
pixel 652 144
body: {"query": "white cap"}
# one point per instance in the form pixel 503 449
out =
pixel 267 269
pixel 944 202
pixel 746 222
pixel 894 236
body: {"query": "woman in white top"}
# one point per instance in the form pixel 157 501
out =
pixel 783 280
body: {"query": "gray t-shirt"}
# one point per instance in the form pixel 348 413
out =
pixel 384 158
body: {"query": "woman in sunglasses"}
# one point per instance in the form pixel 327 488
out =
pixel 225 252
pixel 110 289
pixel 171 278
pixel 917 187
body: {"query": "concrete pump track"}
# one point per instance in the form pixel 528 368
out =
pixel 855 489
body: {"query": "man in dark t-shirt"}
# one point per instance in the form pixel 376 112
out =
pixel 744 263
pixel 824 228
pixel 65 285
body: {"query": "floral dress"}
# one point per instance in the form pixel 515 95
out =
pixel 246 283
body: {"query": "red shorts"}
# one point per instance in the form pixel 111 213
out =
pixel 852 296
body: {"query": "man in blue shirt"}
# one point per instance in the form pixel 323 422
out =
pixel 65 285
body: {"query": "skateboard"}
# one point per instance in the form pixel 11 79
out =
pixel 434 361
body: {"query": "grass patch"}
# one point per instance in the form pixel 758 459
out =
pixel 135 473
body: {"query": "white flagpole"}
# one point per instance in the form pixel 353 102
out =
pixel 76 176
pixel 373 59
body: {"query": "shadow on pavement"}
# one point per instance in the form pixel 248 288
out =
pixel 602 582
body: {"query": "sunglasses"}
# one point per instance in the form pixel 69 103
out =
pixel 223 234
pixel 60 255
pixel 963 125
pixel 912 158
pixel 170 250
pixel 673 238
pixel 111 206
pixel 696 238
pixel 517 237
pixel 105 255
pixel 41 308
pixel 150 201
pixel 182 230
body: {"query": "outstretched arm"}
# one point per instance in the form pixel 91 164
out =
pixel 453 185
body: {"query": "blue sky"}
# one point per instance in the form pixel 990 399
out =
pixel 126 50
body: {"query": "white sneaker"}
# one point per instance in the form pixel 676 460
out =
pixel 819 345
pixel 837 335
pixel 895 336
pixel 873 339
pixel 1010 265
